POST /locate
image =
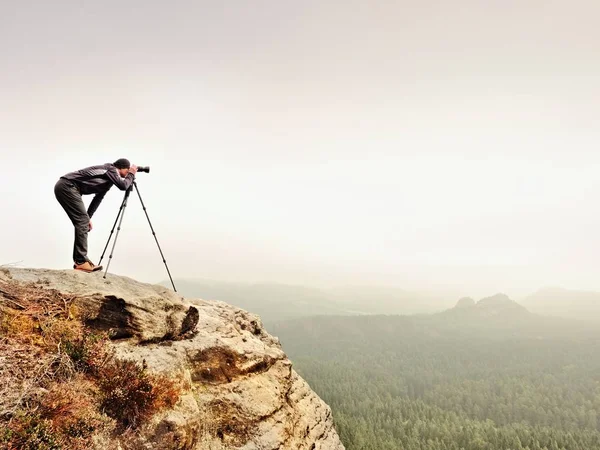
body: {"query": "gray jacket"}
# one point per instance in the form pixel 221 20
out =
pixel 98 180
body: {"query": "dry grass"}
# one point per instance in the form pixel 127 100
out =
pixel 22 372
pixel 35 315
pixel 60 384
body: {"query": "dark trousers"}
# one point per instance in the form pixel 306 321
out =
pixel 70 199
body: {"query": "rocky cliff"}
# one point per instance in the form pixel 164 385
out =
pixel 238 388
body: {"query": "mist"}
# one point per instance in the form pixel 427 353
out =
pixel 446 148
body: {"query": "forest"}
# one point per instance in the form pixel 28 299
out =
pixel 489 376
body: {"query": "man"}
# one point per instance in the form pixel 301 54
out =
pixel 91 180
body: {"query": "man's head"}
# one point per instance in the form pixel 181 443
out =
pixel 122 166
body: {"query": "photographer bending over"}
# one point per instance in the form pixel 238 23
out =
pixel 91 180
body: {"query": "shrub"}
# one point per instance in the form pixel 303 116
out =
pixel 73 411
pixel 131 395
pixel 29 432
pixel 90 352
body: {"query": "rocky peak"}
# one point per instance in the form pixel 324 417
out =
pixel 499 303
pixel 465 302
pixel 241 391
pixel 495 300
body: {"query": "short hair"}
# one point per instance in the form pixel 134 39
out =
pixel 122 163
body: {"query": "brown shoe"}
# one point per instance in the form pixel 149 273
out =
pixel 87 267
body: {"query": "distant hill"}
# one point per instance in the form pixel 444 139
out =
pixel 492 318
pixel 498 306
pixel 497 316
pixel 565 303
pixel 495 305
pixel 275 302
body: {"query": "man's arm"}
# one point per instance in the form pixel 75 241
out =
pixel 121 183
pixel 95 203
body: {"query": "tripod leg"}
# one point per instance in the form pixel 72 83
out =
pixel 122 212
pixel 154 234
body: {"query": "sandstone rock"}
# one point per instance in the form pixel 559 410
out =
pixel 241 391
pixel 128 308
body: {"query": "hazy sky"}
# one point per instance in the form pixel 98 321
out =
pixel 429 144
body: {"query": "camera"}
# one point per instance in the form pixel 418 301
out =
pixel 145 169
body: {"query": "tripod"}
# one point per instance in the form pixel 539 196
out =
pixel 119 219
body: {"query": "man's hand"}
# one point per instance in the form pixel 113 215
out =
pixel 91 226
pixel 133 169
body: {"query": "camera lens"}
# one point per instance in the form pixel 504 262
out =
pixel 144 169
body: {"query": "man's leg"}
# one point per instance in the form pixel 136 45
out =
pixel 70 199
pixel 80 243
